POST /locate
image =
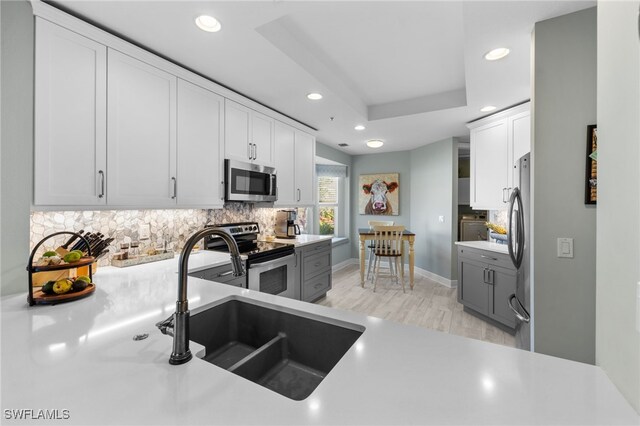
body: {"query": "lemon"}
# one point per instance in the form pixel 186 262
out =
pixel 84 278
pixel 77 251
pixel 49 253
pixel 62 286
pixel 72 256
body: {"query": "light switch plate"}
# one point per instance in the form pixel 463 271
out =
pixel 144 232
pixel 441 219
pixel 565 247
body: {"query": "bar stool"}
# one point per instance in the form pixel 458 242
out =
pixel 371 246
pixel 388 243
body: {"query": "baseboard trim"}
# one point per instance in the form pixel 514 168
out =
pixel 437 278
pixel 344 264
pixel 423 272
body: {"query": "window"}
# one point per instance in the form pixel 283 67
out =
pixel 328 204
pixel 331 214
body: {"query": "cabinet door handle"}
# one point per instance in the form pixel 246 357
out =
pixel 255 151
pixel 224 274
pixel 488 257
pixel 101 194
pixel 175 188
pixel 490 274
pixel 484 275
pixel 298 195
pixel 249 150
pixel 503 199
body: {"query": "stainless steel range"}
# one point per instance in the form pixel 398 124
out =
pixel 270 265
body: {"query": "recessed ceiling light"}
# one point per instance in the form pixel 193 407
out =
pixel 314 96
pixel 208 23
pixel 359 127
pixel 374 143
pixel 495 54
pixel 487 108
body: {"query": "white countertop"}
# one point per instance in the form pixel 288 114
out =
pixel 80 357
pixel 485 245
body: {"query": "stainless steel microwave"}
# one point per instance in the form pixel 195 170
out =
pixel 249 182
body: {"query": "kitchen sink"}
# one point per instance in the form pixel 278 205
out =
pixel 286 351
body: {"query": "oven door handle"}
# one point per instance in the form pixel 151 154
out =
pixel 270 263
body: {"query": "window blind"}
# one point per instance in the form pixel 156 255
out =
pixel 331 170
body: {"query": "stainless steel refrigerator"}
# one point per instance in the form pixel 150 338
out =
pixel 519 245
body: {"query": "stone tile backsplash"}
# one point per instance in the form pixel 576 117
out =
pixel 172 226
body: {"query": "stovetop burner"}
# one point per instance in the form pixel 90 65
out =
pixel 246 236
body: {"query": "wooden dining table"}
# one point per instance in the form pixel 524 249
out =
pixel 367 234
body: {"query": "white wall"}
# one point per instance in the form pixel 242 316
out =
pixel 618 270
pixel 16 142
pixel 564 103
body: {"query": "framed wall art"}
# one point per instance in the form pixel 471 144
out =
pixel 591 179
pixel 379 194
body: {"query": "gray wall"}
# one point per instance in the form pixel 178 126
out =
pixel 325 151
pixel 618 291
pixel 16 142
pixel 388 162
pixel 433 193
pixel 564 103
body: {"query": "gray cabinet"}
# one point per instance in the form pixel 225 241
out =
pixel 314 270
pixel 485 281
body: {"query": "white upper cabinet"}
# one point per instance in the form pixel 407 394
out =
pixel 70 118
pixel 295 166
pixel 497 142
pixel 248 134
pixel 489 165
pixel 141 146
pixel 200 132
pixel 305 168
pixel 285 164
pixel 118 127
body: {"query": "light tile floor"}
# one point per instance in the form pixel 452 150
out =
pixel 429 304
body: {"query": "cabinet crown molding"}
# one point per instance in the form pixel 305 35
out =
pixel 523 107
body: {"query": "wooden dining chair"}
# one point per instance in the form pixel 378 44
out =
pixel 371 246
pixel 388 244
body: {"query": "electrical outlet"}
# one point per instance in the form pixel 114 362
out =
pixel 144 232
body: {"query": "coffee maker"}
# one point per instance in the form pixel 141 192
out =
pixel 285 224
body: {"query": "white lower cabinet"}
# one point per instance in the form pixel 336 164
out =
pixel 200 132
pixel 295 166
pixel 70 156
pixel 141 145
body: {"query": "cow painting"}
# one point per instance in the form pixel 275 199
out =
pixel 379 194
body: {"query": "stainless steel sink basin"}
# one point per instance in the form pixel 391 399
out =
pixel 287 351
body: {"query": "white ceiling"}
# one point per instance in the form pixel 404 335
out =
pixel 412 72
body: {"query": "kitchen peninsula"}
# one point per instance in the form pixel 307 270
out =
pixel 81 357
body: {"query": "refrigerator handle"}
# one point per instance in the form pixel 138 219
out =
pixel 516 255
pixel 524 318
